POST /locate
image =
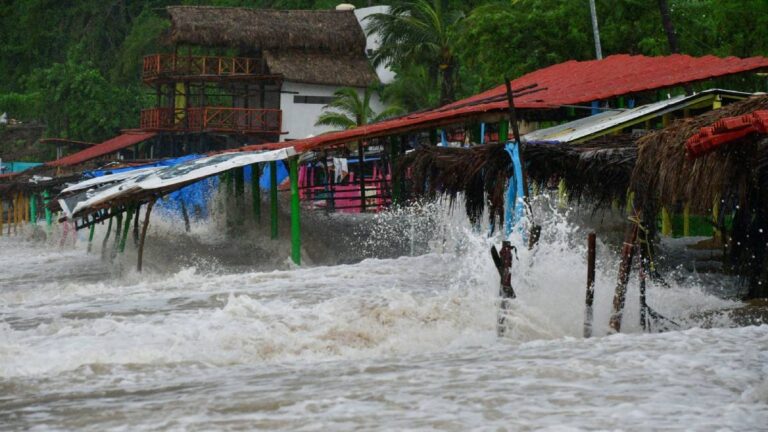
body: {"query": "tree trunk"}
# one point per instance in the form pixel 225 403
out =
pixel 669 28
pixel 448 84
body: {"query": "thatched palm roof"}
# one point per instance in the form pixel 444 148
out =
pixel 265 29
pixel 318 47
pixel 665 175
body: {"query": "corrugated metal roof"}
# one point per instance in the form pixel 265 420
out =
pixel 110 146
pixel 588 126
pixel 569 83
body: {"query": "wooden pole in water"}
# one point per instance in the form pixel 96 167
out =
pixel 588 313
pixel 627 253
pixel 136 225
pixel 118 230
pixel 273 197
pixel 144 235
pixel 295 209
pixel 106 236
pixel 394 146
pixel 361 173
pixel 184 214
pixel 1 216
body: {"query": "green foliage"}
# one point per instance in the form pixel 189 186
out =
pixel 20 106
pixel 420 32
pixel 349 110
pixel 79 103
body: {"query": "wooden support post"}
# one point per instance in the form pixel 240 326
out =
pixel 136 225
pixel 1 216
pixel 666 222
pixel 717 103
pixel 394 146
pixel 716 235
pixel 590 299
pixel 185 214
pixel 143 237
pixel 627 254
pixel 361 174
pixel 9 214
pixel 273 198
pixel 126 228
pixel 295 211
pixel 687 220
pixel 26 208
pixel 106 236
pixel 256 192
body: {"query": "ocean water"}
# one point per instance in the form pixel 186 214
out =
pixel 203 342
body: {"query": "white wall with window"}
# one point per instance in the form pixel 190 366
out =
pixel 303 103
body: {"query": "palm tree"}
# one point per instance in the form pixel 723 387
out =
pixel 419 32
pixel 348 110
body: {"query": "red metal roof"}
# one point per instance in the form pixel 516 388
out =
pixel 109 146
pixel 569 83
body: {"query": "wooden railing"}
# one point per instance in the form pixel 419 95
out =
pixel 170 65
pixel 219 119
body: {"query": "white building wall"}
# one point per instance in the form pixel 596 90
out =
pixel 299 118
pixel 372 43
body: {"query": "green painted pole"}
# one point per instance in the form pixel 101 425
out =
pixel 256 192
pixel 273 197
pixel 48 214
pixel 32 209
pixel 126 228
pixel 503 131
pixel 90 236
pixel 295 209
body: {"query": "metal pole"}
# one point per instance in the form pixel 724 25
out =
pixel 590 285
pixel 595 30
pixel 295 209
pixel 273 197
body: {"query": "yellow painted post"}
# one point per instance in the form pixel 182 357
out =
pixel 630 207
pixel 687 220
pixel 665 119
pixel 562 194
pixel 666 222
pixel 715 216
pixel 717 103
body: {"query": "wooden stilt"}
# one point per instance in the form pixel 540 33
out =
pixel 144 235
pixel 627 254
pixel 185 215
pixel 136 225
pixel 106 237
pixel 256 192
pixel 361 174
pixel 1 216
pixel 588 312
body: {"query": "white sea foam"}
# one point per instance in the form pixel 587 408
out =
pixel 405 343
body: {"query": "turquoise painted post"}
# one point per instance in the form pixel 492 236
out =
pixel 32 209
pixel 90 236
pixel 273 197
pixel 48 214
pixel 295 209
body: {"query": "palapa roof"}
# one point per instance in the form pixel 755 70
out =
pixel 317 46
pixel 665 175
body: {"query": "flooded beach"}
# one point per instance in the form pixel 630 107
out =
pixel 398 343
